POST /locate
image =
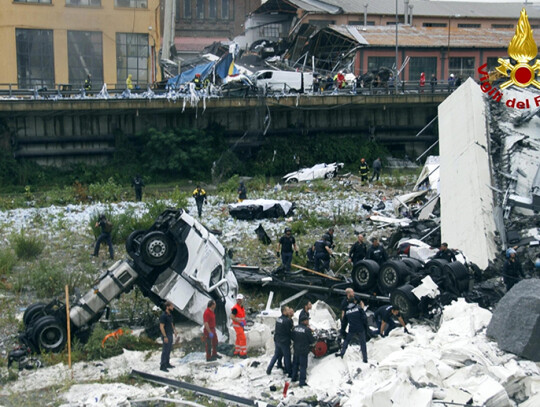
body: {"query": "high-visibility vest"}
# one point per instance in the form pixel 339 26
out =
pixel 240 315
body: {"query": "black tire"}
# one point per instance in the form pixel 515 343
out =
pixel 292 181
pixel 365 274
pixel 403 299
pixel 33 312
pixel 49 334
pixel 457 276
pixel 391 275
pixel 414 265
pixel 157 249
pixel 434 268
pixel 133 242
pixel 330 175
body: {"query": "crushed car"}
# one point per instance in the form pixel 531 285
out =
pixel 318 171
pixel 250 209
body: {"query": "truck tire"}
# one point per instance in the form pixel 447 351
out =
pixel 434 268
pixel 49 334
pixel 413 264
pixel 365 274
pixel 330 175
pixel 292 181
pixel 391 275
pixel 133 242
pixel 457 276
pixel 403 299
pixel 157 249
pixel 33 312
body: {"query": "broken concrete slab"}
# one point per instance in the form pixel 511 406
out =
pixel 515 324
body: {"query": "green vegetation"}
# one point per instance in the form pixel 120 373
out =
pixel 27 247
pixel 7 261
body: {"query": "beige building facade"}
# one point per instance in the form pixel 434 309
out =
pixel 59 43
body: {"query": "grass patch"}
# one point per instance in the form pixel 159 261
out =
pixel 7 261
pixel 27 247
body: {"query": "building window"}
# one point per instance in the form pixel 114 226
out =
pixel 362 22
pixel 86 3
pixel 535 26
pixel 33 1
pixel 469 25
pixel 492 63
pixel 187 9
pixel 270 31
pixel 85 56
pixel 462 66
pixel 417 65
pixel 132 58
pixel 200 9
pixel 322 23
pixel 131 3
pixel 502 25
pixel 35 58
pixel 212 9
pixel 375 63
pixel 433 24
pixel 225 9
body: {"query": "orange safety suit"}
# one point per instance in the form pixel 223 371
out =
pixel 240 345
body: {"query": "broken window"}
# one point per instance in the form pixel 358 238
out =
pixel 225 9
pixel 417 65
pixel 212 8
pixel 462 66
pixel 132 57
pixel 85 56
pixel 35 58
pixel 200 9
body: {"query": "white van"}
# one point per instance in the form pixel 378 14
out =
pixel 284 81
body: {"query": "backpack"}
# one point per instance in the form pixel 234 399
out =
pixel 107 228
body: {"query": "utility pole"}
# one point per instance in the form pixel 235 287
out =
pixel 396 80
pixel 168 28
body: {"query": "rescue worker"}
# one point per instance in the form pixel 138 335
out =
pixel 129 82
pixel 512 271
pixel 282 341
pixel 242 192
pixel 377 252
pixel 356 319
pixel 286 244
pixel 199 195
pixel 167 329
pixel 88 83
pixel 209 333
pixel 377 167
pixel 105 236
pixel 197 81
pixel 384 317
pixel 330 237
pixel 358 250
pixel 364 170
pixel 322 253
pixel 305 310
pixel 238 317
pixel 137 183
pixel 445 253
pixel 303 340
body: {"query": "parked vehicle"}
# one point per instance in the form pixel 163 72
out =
pixel 315 172
pixel 284 81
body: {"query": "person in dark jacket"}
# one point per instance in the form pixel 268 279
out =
pixel 330 237
pixel 384 317
pixel 286 244
pixel 322 253
pixel 303 340
pixel 377 252
pixel 200 198
pixel 105 236
pixel 305 310
pixel 358 250
pixel 198 81
pixel 364 170
pixel 357 321
pixel 433 82
pixel 166 328
pixel 348 302
pixel 242 192
pixel 88 83
pixel 282 341
pixel 377 167
pixel 512 271
pixel 138 184
pixel 445 253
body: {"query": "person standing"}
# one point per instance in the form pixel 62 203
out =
pixel 303 340
pixel 197 81
pixel 209 333
pixel 167 329
pixel 200 198
pixel 282 341
pixel 358 250
pixel 445 253
pixel 137 183
pixel 433 82
pixel 322 253
pixel 377 167
pixel 377 252
pixel 364 170
pixel 512 271
pixel 330 237
pixel 384 317
pixel 129 82
pixel 422 82
pixel 88 83
pixel 304 313
pixel 242 192
pixel 238 317
pixel 286 245
pixel 105 236
pixel 355 317
pixel 451 82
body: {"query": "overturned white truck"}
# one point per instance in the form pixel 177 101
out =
pixel 176 259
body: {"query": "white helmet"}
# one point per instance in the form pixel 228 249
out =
pixel 239 297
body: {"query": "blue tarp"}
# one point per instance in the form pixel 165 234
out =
pixel 222 68
pixel 188 76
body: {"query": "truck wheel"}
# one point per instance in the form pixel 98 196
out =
pixel 434 268
pixel 329 175
pixel 391 275
pixel 292 181
pixel 133 242
pixel 458 276
pixel 157 249
pixel 49 334
pixel 403 299
pixel 413 264
pixel 32 312
pixel 365 274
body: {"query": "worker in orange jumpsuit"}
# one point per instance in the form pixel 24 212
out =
pixel 238 317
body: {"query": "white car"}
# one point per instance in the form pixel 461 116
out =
pixel 315 172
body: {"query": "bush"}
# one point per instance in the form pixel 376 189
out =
pixel 47 279
pixel 92 349
pixel 27 247
pixel 7 261
pixel 105 192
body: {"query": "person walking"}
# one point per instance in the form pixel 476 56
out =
pixel 286 244
pixel 167 329
pixel 242 192
pixel 88 83
pixel 358 250
pixel 377 167
pixel 384 317
pixel 209 333
pixel 355 317
pixel 105 236
pixel 321 254
pixel 377 252
pixel 364 170
pixel 129 82
pixel 433 82
pixel 238 317
pixel 303 340
pixel 512 271
pixel 282 341
pixel 137 183
pixel 200 198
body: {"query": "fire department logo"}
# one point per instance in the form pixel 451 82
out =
pixel 522 49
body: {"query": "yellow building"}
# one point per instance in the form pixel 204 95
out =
pixel 48 43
